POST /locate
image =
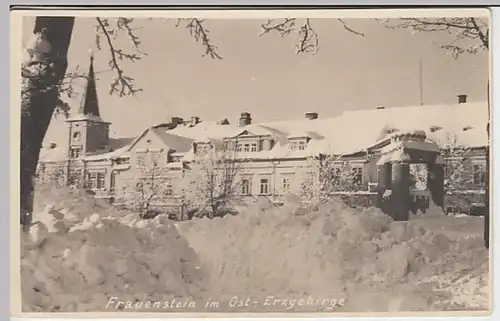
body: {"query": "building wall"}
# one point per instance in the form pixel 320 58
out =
pixel 97 136
pixel 81 129
pixel 119 177
pixel 94 136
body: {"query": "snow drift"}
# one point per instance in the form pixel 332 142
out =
pixel 334 251
pixel 333 258
pixel 72 264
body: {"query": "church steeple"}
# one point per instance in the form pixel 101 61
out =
pixel 88 133
pixel 90 104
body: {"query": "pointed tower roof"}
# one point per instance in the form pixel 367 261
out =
pixel 90 103
pixel 89 106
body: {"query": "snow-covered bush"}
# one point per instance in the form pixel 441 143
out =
pixel 148 190
pixel 211 186
pixel 325 177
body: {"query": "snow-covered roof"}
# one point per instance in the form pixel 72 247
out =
pixel 56 154
pixel 362 126
pixel 80 117
pixel 352 132
pixel 355 131
pixel 178 143
pixel 117 147
pixel 120 152
pixel 206 131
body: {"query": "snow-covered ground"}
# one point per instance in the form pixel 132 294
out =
pixel 333 258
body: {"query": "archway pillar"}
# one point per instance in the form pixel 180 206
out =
pixel 435 183
pixel 400 187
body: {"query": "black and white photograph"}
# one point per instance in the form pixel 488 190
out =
pixel 240 162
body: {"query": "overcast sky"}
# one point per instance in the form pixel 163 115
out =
pixel 263 76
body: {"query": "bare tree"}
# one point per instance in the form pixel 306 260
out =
pixel 326 176
pixel 45 77
pixel 54 173
pixel 418 176
pixel 462 177
pixel 211 186
pixel 468 34
pixel 148 190
pixel 307 37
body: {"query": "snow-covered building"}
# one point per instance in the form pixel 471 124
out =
pixel 272 151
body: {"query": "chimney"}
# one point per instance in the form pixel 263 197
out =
pixel 245 119
pixel 312 116
pixel 462 99
pixel 380 107
pixel 223 122
pixel 177 121
pixel 195 120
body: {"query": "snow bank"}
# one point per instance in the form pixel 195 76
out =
pixel 70 264
pixel 332 257
pixel 362 256
pixel 74 202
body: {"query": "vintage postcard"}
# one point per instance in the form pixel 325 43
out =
pixel 215 163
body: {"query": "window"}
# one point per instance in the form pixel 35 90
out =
pixel 155 159
pixel 202 149
pixel 254 147
pixel 302 145
pixel 122 161
pixel 264 186
pixel 76 136
pixel 286 184
pixel 97 180
pixel 75 152
pixel 169 189
pixel 357 175
pixel 239 147
pixel 293 145
pixel 141 160
pixel 479 177
pixel 245 186
pixel 101 181
pixel 246 148
pixel 92 179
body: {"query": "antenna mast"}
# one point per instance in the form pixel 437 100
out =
pixel 420 79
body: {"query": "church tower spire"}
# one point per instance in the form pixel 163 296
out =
pixel 88 133
pixel 90 104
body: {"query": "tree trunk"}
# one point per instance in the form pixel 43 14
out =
pixel 39 99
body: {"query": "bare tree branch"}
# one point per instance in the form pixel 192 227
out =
pixel 308 40
pixel 123 85
pixel 200 35
pixel 469 34
pixel 346 27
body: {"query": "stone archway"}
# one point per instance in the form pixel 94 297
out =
pixel 400 150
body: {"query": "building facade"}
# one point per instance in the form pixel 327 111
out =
pixel 270 156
